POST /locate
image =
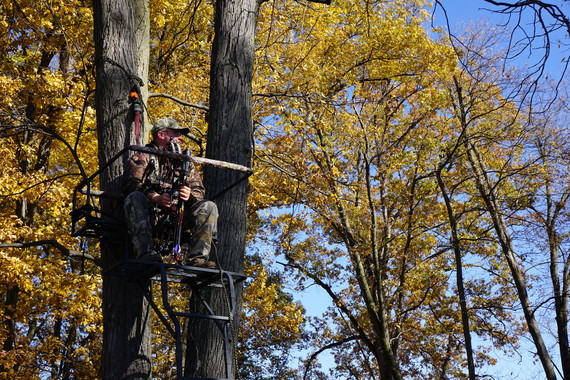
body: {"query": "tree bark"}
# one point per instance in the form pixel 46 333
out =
pixel 230 138
pixel 121 32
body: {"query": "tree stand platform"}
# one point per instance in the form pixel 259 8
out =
pixel 196 279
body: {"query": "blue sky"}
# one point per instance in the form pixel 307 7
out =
pixel 464 11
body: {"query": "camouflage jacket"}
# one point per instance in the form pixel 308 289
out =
pixel 152 174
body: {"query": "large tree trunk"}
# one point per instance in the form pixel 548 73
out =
pixel 121 31
pixel 230 138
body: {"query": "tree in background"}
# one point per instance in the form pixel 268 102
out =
pixel 351 147
pixel 50 310
pixel 354 151
pixel 546 220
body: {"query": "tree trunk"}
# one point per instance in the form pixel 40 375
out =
pixel 560 301
pixel 487 192
pixel 230 138
pixel 559 283
pixel 121 32
pixel 376 304
pixel 459 268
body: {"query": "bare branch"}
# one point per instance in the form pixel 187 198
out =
pixel 177 100
pixel 525 36
pixel 336 299
pixel 49 180
pixel 328 347
pixel 538 7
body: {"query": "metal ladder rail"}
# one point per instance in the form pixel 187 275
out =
pixel 222 322
pixel 137 269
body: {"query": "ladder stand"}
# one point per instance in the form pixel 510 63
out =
pixel 197 279
pixel 89 220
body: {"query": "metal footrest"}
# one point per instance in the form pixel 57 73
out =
pixel 196 278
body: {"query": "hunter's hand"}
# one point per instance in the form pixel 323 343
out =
pixel 185 193
pixel 163 200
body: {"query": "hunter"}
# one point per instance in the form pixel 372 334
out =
pixel 151 194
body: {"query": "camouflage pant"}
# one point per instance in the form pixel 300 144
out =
pixel 201 220
pixel 199 225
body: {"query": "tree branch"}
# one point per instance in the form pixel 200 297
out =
pixel 177 100
pixel 66 251
pixel 553 10
pixel 48 180
pixel 328 347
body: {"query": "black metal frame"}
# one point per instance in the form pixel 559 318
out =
pixel 91 216
pixel 197 279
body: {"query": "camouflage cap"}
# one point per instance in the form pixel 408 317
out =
pixel 169 123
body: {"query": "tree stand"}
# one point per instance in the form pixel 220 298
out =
pixel 196 279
